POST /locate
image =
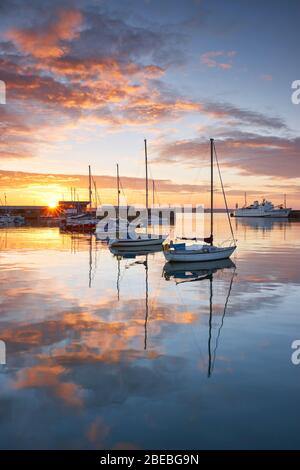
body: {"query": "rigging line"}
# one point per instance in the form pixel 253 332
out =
pixel 224 195
pixel 97 197
pixel 121 186
pixel 223 318
pixel 154 184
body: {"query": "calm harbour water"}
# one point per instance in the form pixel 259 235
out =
pixel 113 353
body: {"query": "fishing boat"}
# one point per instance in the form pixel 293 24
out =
pixel 207 251
pixel 137 239
pixel 264 209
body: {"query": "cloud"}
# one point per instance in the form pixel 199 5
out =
pixel 100 69
pixel 250 153
pixel 47 40
pixel 22 180
pixel 218 59
pixel 243 116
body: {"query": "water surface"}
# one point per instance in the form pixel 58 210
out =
pixel 107 352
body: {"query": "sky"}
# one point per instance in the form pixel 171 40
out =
pixel 88 80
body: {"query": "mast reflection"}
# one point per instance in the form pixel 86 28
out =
pixel 120 254
pixel 197 272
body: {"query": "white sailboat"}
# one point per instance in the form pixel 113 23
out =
pixel 140 239
pixel 182 252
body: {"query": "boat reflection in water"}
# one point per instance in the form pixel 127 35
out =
pixel 196 272
pixel 263 224
pixel 134 252
pixel 126 253
pixel 186 272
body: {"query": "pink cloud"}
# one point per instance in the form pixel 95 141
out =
pixel 214 59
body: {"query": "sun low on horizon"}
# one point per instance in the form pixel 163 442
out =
pixel 52 204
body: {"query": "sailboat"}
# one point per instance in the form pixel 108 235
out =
pixel 141 239
pixel 195 252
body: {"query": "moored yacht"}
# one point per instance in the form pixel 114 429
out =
pixel 132 238
pixel 207 251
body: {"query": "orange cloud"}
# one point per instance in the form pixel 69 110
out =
pixel 45 41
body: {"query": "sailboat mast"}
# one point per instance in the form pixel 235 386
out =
pixel 146 167
pixel 96 194
pixel 211 190
pixel 153 195
pixel 90 187
pixel 118 189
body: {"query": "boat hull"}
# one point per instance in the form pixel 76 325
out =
pixel 198 256
pixel 131 243
pixel 278 214
pixel 133 252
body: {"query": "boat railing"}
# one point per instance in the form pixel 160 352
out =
pixel 229 242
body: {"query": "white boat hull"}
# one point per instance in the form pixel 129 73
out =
pixel 134 251
pixel 185 256
pixel 140 242
pixel 276 213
